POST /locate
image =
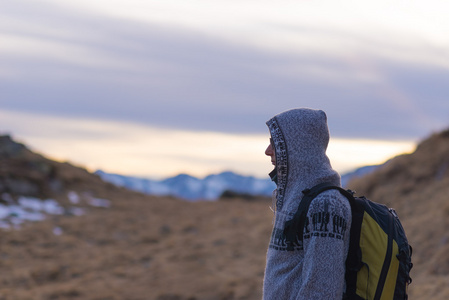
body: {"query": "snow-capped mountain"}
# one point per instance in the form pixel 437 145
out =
pixel 345 178
pixel 192 188
pixel 208 188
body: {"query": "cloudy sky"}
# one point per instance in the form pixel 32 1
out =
pixel 158 87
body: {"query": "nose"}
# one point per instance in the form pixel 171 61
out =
pixel 269 150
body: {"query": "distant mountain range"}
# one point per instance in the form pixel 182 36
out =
pixel 209 188
pixel 345 178
pixel 192 188
pixel 25 173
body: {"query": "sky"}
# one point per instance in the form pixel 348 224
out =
pixel 156 88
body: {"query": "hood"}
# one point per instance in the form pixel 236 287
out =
pixel 300 138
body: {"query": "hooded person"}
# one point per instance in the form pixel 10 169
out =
pixel 315 267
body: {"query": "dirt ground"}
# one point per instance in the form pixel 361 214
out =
pixel 140 248
pixel 165 249
pixel 160 248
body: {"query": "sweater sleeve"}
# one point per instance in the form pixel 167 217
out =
pixel 326 243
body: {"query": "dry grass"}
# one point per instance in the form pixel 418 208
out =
pixel 140 248
pixel 149 248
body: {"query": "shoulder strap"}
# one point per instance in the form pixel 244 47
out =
pixel 293 229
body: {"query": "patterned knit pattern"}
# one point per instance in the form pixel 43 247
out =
pixel 281 160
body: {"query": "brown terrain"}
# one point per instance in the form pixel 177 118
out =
pixel 161 248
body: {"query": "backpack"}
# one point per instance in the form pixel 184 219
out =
pixel 379 258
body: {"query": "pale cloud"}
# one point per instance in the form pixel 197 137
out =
pixel 348 154
pixel 71 55
pixel 132 149
pixel 410 31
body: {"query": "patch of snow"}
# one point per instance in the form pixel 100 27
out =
pixel 30 203
pixel 49 206
pixel 19 214
pixel 27 209
pixel 98 202
pixel 73 197
pixel 14 213
pixel 4 211
pixel 52 207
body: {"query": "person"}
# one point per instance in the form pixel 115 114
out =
pixel 315 267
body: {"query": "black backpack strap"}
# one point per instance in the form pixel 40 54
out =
pixel 293 230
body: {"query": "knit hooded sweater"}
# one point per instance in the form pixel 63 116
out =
pixel 315 268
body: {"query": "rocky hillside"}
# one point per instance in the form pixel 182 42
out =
pixel 144 247
pixel 25 173
pixel 417 186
